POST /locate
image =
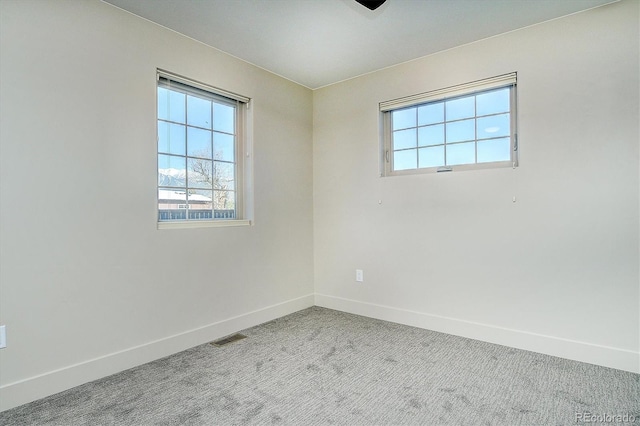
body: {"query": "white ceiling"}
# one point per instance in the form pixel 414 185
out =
pixel 320 42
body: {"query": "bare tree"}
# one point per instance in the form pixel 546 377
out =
pixel 216 175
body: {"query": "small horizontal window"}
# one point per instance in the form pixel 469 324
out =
pixel 459 128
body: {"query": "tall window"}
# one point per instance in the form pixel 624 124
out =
pixel 200 151
pixel 463 127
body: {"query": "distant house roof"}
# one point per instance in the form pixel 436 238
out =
pixel 178 195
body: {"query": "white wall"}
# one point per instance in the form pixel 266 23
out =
pixel 88 285
pixel 557 271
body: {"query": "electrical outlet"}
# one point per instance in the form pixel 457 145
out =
pixel 359 275
pixel 3 336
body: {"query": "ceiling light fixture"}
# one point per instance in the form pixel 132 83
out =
pixel 371 4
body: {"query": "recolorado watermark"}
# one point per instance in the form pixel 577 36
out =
pixel 587 417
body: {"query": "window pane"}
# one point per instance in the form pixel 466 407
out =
pixel 493 126
pixel 461 153
pixel 171 138
pixel 200 204
pixel 172 171
pixel 404 118
pixel 494 150
pixel 224 118
pixel 403 160
pixel 168 196
pixel 224 202
pixel 223 147
pixel 198 142
pixel 200 173
pixel 171 105
pixel 224 176
pixel 198 112
pixel 404 139
pixel 163 103
pixel 431 157
pixel 458 131
pixel 460 108
pixel 431 135
pixel 431 113
pixel 172 204
pixel 493 102
pixel 200 214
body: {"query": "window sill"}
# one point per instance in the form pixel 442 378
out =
pixel 202 224
pixel 455 168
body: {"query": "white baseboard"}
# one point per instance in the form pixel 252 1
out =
pixel 621 359
pixel 33 388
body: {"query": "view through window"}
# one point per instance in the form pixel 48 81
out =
pixel 470 127
pixel 199 145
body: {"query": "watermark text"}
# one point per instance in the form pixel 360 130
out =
pixel 587 417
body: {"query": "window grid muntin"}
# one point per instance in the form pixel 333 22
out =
pixel 172 214
pixel 511 133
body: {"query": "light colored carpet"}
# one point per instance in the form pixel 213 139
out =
pixel 321 367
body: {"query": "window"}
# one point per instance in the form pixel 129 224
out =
pixel 459 128
pixel 201 152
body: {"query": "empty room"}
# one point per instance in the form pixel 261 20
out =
pixel 400 212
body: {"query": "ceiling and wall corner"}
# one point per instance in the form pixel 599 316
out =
pixel 317 43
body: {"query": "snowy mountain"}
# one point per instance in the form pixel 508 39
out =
pixel 172 177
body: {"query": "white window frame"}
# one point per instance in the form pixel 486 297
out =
pixel 469 89
pixel 243 165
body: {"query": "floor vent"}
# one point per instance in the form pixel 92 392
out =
pixel 229 339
